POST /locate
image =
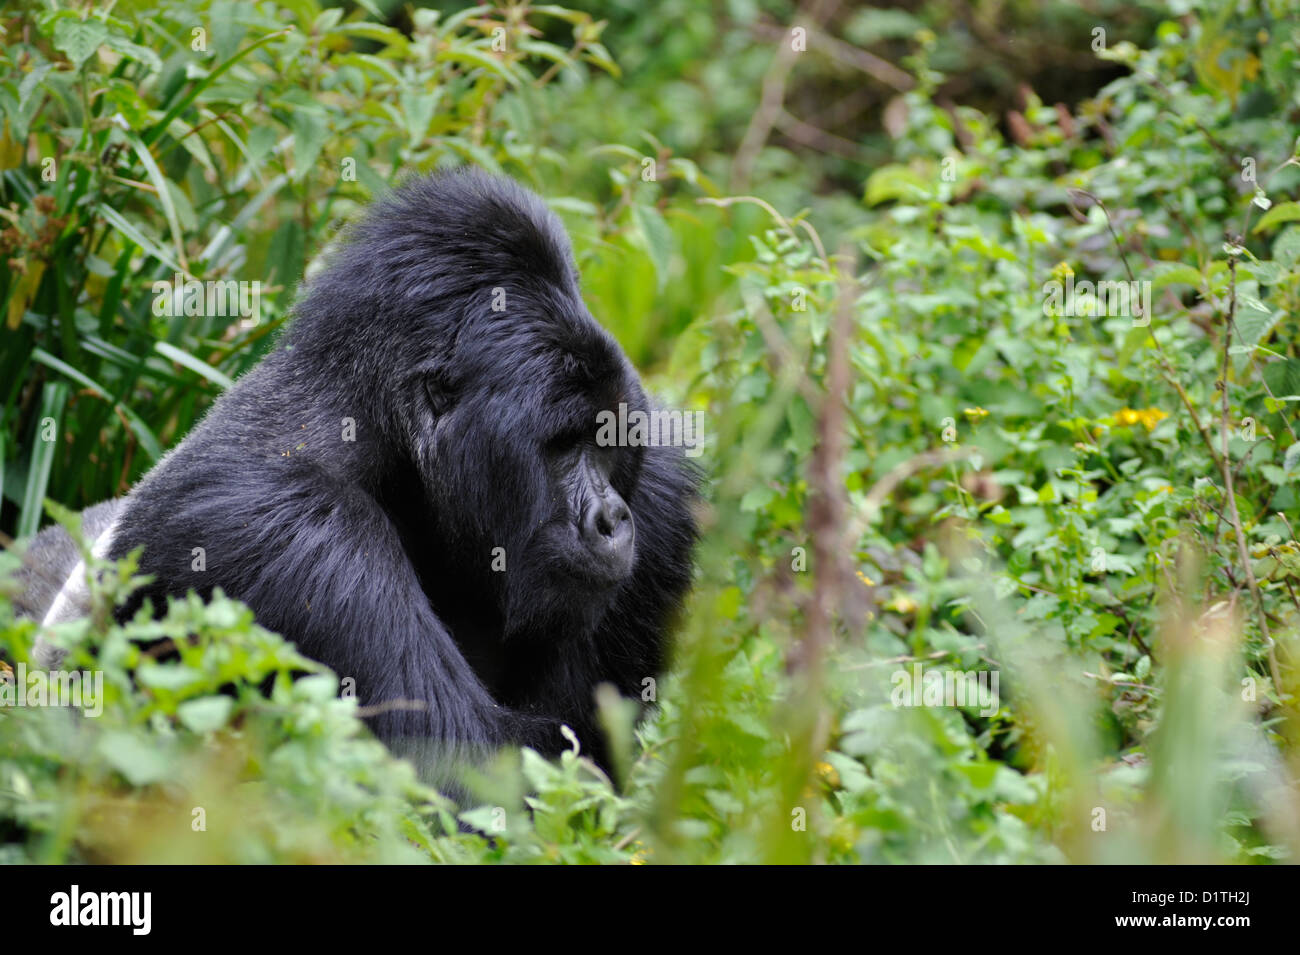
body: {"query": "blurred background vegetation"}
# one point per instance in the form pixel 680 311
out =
pixel 829 226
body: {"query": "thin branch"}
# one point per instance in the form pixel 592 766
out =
pixel 848 55
pixel 771 100
pixel 1226 466
pixel 808 135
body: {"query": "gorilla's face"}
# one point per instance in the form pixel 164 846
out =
pixel 538 509
pixel 591 531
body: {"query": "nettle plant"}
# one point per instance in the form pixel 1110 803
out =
pixel 212 740
pixel 1120 476
pixel 206 738
pixel 1116 471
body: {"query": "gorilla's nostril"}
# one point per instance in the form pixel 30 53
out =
pixel 609 517
pixel 606 528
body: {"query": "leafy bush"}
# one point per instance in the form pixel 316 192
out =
pixel 919 463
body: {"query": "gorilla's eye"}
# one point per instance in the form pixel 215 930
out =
pixel 566 441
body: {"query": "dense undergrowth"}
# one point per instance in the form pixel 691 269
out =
pixel 917 463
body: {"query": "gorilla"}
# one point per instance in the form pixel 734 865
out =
pixel 411 489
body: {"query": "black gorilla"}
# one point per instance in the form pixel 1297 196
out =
pixel 410 487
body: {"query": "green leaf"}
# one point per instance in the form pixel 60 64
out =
pixel 318 688
pixel 1143 668
pixel 79 39
pixel 657 239
pixel 473 57
pixel 166 676
pixel 1286 248
pixel 1253 326
pixel 1282 212
pixel 1266 273
pixel 285 257
pixel 391 38
pixel 310 130
pixel 484 819
pixel 140 761
pixel 206 714
pixel 1176 274
pixel 49 423
pixel 1291 460
pixel 896 182
pixel 1283 377
pixel 417 111
pixel 197 365
pixel 133 51
pixel 164 197
pixel 371 8
pixel 118 222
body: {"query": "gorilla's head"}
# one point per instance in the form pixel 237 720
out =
pixel 509 456
pixel 491 374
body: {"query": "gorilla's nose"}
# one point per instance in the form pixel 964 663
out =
pixel 608 531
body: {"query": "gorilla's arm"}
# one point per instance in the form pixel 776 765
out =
pixel 52 556
pixel 320 562
pixel 54 577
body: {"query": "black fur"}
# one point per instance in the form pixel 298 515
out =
pixel 473 430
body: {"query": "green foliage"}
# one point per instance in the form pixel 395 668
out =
pixel 1087 491
pixel 1068 500
pixel 187 760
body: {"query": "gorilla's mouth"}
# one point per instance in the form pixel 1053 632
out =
pixel 598 559
pixel 558 603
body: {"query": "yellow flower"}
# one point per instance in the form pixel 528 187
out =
pixel 865 579
pixel 975 414
pixel 901 603
pixel 829 775
pixel 1060 270
pixel 1147 417
pixel 1151 417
